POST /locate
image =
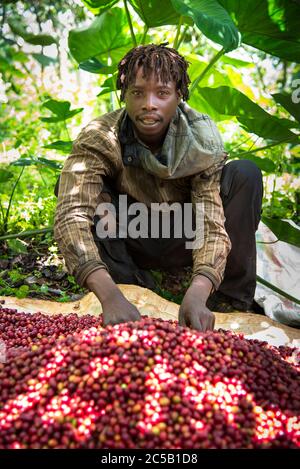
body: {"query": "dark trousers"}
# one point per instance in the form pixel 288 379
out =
pixel 129 260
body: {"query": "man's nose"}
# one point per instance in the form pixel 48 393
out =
pixel 149 102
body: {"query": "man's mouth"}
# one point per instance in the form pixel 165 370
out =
pixel 149 120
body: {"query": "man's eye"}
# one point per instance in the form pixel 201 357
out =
pixel 163 93
pixel 135 92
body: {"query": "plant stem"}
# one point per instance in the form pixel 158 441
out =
pixel 273 197
pixel 146 29
pixel 42 177
pixel 261 148
pixel 176 40
pixel 66 128
pixel 25 234
pixel 209 66
pixel 130 24
pixel 29 74
pixel 277 290
pixel 182 35
pixel 117 98
pixel 240 144
pixel 10 199
pixel 2 211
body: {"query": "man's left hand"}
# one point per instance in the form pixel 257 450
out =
pixel 193 312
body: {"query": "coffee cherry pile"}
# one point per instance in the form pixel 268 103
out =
pixel 147 384
pixel 21 331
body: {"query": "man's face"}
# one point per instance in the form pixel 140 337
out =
pixel 151 105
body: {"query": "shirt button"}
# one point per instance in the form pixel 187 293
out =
pixel 129 159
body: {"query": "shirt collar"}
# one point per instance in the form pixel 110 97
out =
pixel 132 144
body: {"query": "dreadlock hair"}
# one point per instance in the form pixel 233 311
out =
pixel 163 61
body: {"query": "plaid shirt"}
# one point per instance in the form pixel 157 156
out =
pixel 188 167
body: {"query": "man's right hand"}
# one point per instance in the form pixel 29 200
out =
pixel 116 308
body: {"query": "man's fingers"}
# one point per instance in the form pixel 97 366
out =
pixel 208 322
pixel 135 316
pixel 213 321
pixel 195 323
pixel 181 318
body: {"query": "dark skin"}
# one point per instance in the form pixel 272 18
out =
pixel 151 105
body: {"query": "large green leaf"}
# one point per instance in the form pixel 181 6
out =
pixel 287 102
pixel 238 63
pixel 155 12
pixel 108 86
pixel 93 65
pixel 37 39
pixel 231 102
pixel 40 39
pixel 64 147
pixel 106 38
pixel 212 79
pixel 99 6
pixel 23 161
pixel 212 19
pixel 198 102
pixel 52 164
pixel 60 109
pixel 268 25
pixel 283 230
pixel 265 164
pixel 44 60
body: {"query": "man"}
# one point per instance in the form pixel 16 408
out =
pixel 158 150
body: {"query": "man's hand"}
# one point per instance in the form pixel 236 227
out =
pixel 193 312
pixel 116 308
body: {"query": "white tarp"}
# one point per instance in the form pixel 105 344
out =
pixel 279 264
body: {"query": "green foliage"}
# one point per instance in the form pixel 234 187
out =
pixel 100 40
pixel 64 147
pixel 287 102
pixel 43 59
pixel 5 175
pixel 231 102
pixel 17 246
pixel 269 25
pixel 93 65
pixel 37 39
pixel 99 6
pixel 153 15
pixel 212 19
pixel 283 230
pixel 60 109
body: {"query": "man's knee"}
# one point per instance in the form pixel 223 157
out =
pixel 243 172
pixel 248 170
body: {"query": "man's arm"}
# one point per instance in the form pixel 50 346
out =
pixel 116 308
pixel 81 182
pixel 79 193
pixel 209 259
pixel 193 311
